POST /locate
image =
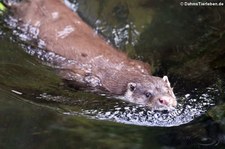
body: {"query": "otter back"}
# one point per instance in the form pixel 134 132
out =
pixel 87 57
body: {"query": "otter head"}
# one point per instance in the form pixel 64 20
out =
pixel 152 91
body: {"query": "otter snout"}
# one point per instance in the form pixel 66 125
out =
pixel 165 102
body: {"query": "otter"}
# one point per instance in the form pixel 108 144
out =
pixel 88 59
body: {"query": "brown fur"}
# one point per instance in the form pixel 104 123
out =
pixel 82 45
pixel 113 68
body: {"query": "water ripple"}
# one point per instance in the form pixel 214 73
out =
pixel 190 107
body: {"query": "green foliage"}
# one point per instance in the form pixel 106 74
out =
pixel 2 8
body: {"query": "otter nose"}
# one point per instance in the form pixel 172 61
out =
pixel 164 101
pixel 167 101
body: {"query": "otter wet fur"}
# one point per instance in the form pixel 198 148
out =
pixel 88 59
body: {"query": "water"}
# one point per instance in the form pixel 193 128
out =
pixel 29 124
pixel 38 110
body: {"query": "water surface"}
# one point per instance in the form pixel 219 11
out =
pixel 38 110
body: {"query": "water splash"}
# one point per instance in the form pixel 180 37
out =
pixel 191 106
pixel 72 4
pixel 120 35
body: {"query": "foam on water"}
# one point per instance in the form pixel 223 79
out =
pixel 126 34
pixel 72 4
pixel 192 106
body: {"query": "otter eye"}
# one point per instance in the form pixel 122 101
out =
pixel 148 94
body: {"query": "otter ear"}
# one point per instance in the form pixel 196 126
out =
pixel 131 86
pixel 165 79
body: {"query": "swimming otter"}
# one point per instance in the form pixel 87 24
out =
pixel 87 58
